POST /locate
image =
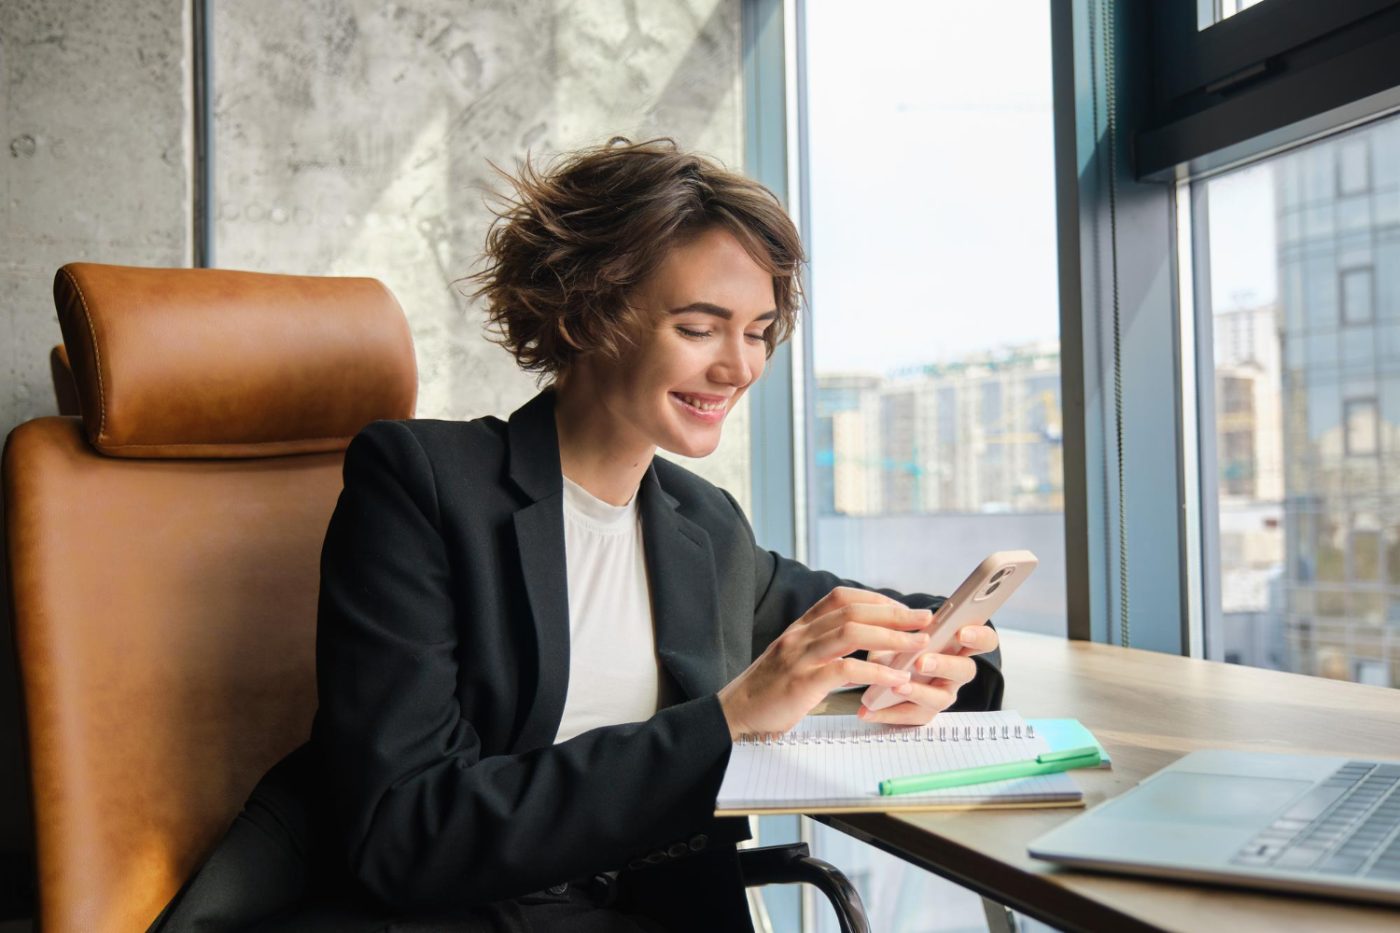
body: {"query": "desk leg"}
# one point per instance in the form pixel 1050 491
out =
pixel 1000 919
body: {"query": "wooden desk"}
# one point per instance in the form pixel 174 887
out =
pixel 1147 709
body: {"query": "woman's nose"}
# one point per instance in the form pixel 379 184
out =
pixel 733 367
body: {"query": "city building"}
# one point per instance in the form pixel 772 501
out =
pixel 1338 229
pixel 981 434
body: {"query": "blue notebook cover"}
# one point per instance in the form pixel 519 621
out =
pixel 1062 734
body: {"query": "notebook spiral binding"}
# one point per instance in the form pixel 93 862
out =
pixel 920 734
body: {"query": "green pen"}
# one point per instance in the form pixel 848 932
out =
pixel 1048 763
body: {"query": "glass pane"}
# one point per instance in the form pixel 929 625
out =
pixel 935 321
pixel 935 330
pixel 1210 12
pixel 1304 311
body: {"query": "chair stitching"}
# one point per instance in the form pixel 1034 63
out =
pixel 96 352
pixel 297 440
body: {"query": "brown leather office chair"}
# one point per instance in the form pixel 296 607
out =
pixel 65 390
pixel 164 552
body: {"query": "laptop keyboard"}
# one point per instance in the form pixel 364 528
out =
pixel 1347 825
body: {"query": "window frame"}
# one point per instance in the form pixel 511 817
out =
pixel 1343 305
pixel 1174 139
pixel 1269 77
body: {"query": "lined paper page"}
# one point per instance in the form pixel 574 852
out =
pixel 831 761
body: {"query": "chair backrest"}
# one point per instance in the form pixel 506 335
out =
pixel 163 559
pixel 65 390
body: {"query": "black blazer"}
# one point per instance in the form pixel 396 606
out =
pixel 443 654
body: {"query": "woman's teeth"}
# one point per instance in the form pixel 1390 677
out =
pixel 694 402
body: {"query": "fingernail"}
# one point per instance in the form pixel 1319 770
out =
pixel 927 664
pixel 918 638
pixel 915 615
pixel 905 675
pixel 904 689
pixel 968 637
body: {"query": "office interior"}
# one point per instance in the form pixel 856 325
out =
pixel 1117 282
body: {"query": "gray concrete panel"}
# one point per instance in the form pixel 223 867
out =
pixel 94 147
pixel 353 137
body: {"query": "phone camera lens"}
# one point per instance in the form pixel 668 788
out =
pixel 1000 573
pixel 992 589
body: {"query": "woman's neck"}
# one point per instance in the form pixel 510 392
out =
pixel 596 450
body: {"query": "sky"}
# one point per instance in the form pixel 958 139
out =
pixel 931 161
pixel 1243 250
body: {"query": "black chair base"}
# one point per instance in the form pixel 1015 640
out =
pixel 793 864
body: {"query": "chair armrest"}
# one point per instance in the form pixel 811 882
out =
pixel 792 864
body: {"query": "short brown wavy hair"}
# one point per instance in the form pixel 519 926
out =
pixel 567 248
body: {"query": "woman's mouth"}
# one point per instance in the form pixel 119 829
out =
pixel 708 409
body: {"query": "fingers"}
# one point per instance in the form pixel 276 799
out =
pixel 845 596
pixel 846 637
pixel 923 700
pixel 881 657
pixel 931 702
pixel 922 703
pixel 854 671
pixel 888 615
pixel 974 639
pixel 952 668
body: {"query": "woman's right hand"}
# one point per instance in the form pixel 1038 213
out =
pixel 810 659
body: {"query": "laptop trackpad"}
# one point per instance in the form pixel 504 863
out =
pixel 1216 799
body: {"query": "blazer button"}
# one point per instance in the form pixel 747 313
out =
pixel 559 888
pixel 657 857
pixel 678 849
pixel 697 842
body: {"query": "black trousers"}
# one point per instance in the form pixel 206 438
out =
pixel 239 888
pixel 268 874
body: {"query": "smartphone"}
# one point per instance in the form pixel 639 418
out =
pixel 981 594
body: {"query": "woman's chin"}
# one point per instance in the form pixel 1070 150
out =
pixel 693 447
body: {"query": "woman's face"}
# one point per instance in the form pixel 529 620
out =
pixel 712 304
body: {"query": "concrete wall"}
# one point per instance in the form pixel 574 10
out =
pixel 94 124
pixel 355 137
pixel 350 137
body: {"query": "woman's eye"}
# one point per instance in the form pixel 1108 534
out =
pixel 689 332
pixel 756 338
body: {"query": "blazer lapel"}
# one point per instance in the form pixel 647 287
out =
pixel 539 534
pixel 681 574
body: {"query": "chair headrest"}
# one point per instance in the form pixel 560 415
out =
pixel 177 363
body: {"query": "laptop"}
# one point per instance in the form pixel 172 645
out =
pixel 1305 824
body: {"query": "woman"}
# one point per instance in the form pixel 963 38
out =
pixel 537 641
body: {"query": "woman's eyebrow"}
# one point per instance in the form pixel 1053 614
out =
pixel 704 307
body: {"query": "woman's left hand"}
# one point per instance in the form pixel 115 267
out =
pixel 951 668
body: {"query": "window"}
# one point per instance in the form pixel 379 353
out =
pixel 1374 672
pixel 1361 427
pixel 1308 541
pixel 1357 295
pixel 1353 167
pixel 934 311
pixel 934 435
pixel 1227 8
pixel 1365 549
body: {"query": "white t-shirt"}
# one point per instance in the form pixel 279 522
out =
pixel 613 671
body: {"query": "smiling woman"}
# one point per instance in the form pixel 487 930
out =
pixel 537 641
pixel 707 311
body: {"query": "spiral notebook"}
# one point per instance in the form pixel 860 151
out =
pixel 834 764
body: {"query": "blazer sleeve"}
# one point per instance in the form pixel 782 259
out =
pixel 785 589
pixel 427 819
